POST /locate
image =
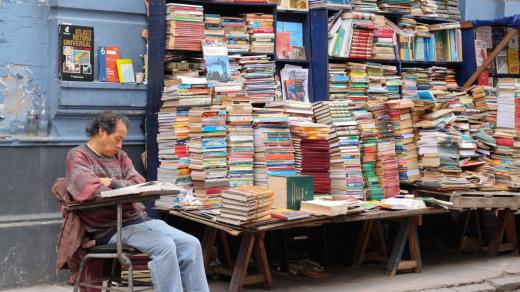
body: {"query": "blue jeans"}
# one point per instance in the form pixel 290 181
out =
pixel 176 257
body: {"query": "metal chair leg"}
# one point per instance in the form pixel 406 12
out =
pixel 112 273
pixel 80 272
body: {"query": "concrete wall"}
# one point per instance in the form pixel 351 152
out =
pixel 29 217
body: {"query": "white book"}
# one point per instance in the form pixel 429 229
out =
pixel 152 187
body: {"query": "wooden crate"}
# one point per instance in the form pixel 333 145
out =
pixel 485 200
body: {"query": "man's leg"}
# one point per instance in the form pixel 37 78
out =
pixel 189 254
pixel 164 264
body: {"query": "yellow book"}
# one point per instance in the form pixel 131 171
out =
pixel 512 61
pixel 125 71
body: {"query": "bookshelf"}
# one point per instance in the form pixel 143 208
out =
pixel 319 47
pixel 157 49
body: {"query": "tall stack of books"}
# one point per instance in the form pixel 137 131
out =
pixel 246 204
pixel 405 147
pixel 338 81
pixel 184 27
pixel 362 39
pixel 376 86
pixel 240 144
pixel 311 153
pixel 368 133
pixel 409 83
pixel 386 163
pixel 261 32
pixel 235 30
pixel 345 164
pixel 258 74
pixel 208 153
pixel 166 141
pixel 213 30
pixel 274 152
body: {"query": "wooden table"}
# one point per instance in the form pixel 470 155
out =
pixel 252 241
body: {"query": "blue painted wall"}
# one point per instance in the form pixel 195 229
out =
pixel 488 9
pixel 29 216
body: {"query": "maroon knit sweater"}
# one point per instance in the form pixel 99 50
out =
pixel 84 170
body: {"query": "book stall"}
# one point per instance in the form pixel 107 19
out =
pixel 379 117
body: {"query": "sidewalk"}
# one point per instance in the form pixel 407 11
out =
pixel 443 272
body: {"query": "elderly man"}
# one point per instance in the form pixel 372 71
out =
pixel 100 164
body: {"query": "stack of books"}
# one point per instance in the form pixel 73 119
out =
pixel 213 30
pixel 453 9
pixel 409 83
pixel 229 93
pixel 442 8
pixel 261 32
pixel 396 6
pixel 405 147
pixel 245 205
pixel 376 86
pixel 428 8
pixel 208 153
pixel 384 42
pixel 437 78
pixel 352 35
pixel 274 152
pixel 345 164
pixel 386 163
pixel 258 74
pixel 358 84
pixel 166 141
pixel 393 82
pixel 338 81
pixel 365 5
pixel 340 4
pixel 297 111
pixel 184 27
pixel 235 30
pixel 311 153
pixel 240 144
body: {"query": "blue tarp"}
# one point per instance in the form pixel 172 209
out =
pixel 510 21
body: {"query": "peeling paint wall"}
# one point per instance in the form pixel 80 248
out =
pixel 29 215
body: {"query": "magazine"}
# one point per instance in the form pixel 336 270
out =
pixel 217 61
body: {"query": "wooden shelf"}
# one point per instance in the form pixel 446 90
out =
pixel 294 12
pixel 293 61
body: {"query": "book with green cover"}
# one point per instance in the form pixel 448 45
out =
pixel 289 191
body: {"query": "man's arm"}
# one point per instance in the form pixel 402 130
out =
pixel 82 183
pixel 130 175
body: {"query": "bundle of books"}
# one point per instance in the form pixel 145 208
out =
pixel 352 35
pixel 213 30
pixel 184 27
pixel 453 9
pixel 258 74
pixel 393 82
pixel 345 164
pixel 338 81
pixel 384 42
pixel 246 204
pixel 261 32
pixel 240 144
pixel 166 141
pixel 358 84
pixel 237 37
pixel 341 4
pixel 396 6
pixel 442 8
pixel 311 153
pixel 365 5
pixel 274 152
pixel 297 111
pixel 208 153
pixel 386 163
pixel 405 147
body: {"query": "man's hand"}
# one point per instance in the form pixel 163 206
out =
pixel 106 181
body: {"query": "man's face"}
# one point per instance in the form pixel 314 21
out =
pixel 111 144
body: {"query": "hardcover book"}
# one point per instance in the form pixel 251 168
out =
pixel 76 52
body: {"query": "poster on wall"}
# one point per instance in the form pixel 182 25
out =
pixel 76 45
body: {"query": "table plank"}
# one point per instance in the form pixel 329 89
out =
pixel 101 202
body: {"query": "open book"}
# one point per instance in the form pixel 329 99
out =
pixel 151 187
